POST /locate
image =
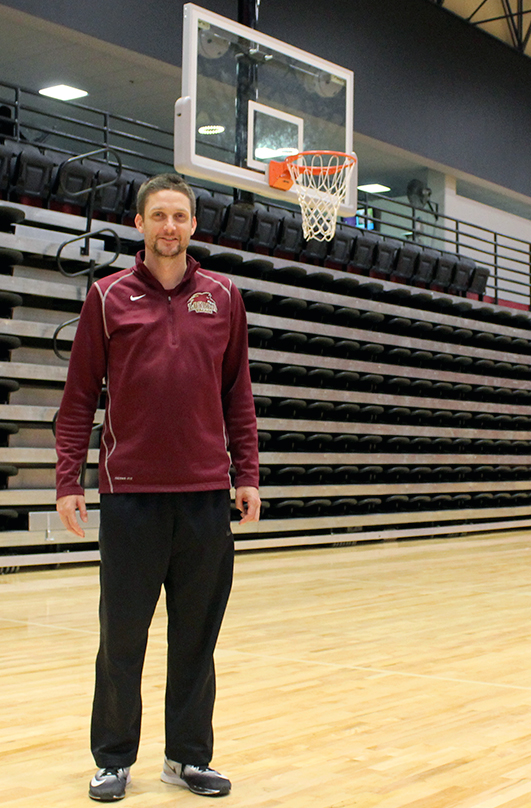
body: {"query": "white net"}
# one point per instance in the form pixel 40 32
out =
pixel 321 180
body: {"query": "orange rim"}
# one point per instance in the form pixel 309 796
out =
pixel 348 159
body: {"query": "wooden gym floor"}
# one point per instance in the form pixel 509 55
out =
pixel 380 675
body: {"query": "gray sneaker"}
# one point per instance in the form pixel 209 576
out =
pixel 109 784
pixel 199 779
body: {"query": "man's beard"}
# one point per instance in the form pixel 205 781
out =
pixel 177 248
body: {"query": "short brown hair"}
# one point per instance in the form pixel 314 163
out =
pixel 163 182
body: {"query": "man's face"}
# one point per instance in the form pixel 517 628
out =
pixel 167 223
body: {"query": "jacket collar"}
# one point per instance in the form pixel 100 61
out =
pixel 143 272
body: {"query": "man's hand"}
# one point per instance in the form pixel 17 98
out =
pixel 66 508
pixel 248 503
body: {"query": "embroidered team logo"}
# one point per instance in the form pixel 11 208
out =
pixel 202 303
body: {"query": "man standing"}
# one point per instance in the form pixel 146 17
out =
pixel 170 340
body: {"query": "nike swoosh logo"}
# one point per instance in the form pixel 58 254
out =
pixel 137 297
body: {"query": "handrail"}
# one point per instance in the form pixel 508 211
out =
pixel 55 337
pixel 94 185
pixel 88 271
pixel 80 158
pixel 92 234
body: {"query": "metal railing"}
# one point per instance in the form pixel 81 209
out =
pixel 70 128
pixel 89 271
pixel 508 258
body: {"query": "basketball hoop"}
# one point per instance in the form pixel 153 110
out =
pixel 321 179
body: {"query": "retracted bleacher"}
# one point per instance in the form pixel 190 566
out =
pixel 392 401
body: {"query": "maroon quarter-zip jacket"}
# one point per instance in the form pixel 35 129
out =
pixel 179 394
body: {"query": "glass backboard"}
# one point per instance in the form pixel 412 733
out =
pixel 248 98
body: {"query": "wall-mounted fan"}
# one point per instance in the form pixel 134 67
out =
pixel 419 195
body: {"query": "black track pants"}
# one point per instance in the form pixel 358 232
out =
pixel 182 541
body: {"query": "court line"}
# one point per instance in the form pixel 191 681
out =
pixel 305 662
pixel 47 625
pixel 386 672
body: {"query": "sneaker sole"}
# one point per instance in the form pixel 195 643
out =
pixel 106 799
pixel 175 780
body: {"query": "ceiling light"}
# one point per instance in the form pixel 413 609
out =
pixel 212 129
pixel 375 188
pixel 63 92
pixel 266 153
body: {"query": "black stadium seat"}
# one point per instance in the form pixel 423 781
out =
pixel 290 475
pixel 111 192
pixel 287 508
pixel 463 273
pixel 346 474
pixel 8 259
pixel 319 410
pixel 362 256
pixel 32 178
pixel 319 442
pixel 7 153
pixel 425 267
pixel 291 341
pixel 317 475
pixel 237 225
pixel 260 371
pixel 317 507
pixel 256 300
pixel 262 405
pixel 345 285
pixel 71 185
pixel 264 230
pixel 210 211
pixel 320 377
pixel 291 374
pixel 406 261
pixel 345 442
pixel 319 280
pixel 291 307
pixel 478 283
pixel 10 216
pixel 289 442
pixel 314 252
pixel 293 275
pixel 290 239
pixel 344 506
pixel 320 312
pixel 385 256
pixel 444 272
pixel 291 407
pixel 135 180
pixel 255 268
pixel 259 336
pixel 341 246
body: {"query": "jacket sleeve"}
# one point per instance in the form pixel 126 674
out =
pixel 86 371
pixel 237 396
